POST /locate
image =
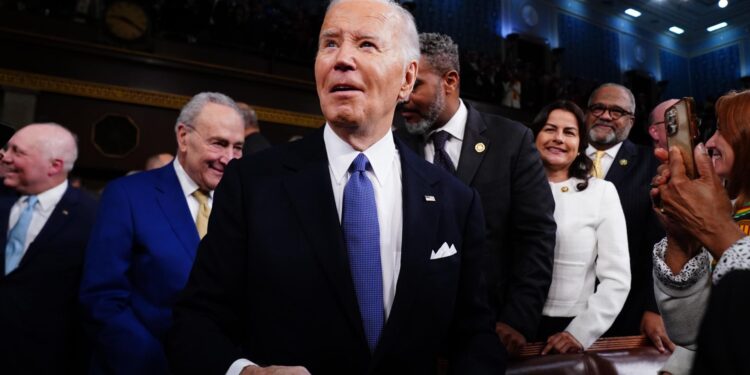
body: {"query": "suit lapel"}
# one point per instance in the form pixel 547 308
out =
pixel 470 159
pixel 174 207
pixel 57 221
pixel 310 192
pixel 420 226
pixel 625 160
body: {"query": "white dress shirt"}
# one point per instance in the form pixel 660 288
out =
pixel 607 159
pixel 385 177
pixel 48 200
pixel 455 127
pixel 188 188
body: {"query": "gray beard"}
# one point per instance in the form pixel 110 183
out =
pixel 422 126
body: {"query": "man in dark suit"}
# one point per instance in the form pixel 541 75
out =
pixel 45 230
pixel 254 141
pixel 629 167
pixel 497 157
pixel 344 252
pixel 145 238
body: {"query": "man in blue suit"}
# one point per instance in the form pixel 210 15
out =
pixel 45 227
pixel 345 252
pixel 145 238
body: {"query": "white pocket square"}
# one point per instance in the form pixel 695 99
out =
pixel 443 251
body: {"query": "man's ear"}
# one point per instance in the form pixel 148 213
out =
pixel 181 136
pixel 56 166
pixel 410 76
pixel 451 81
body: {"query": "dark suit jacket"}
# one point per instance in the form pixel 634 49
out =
pixel 253 143
pixel 40 325
pixel 519 210
pixel 631 173
pixel 722 341
pixel 140 255
pixel 271 282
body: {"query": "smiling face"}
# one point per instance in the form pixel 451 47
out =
pixel 359 69
pixel 36 158
pixel 722 154
pixel 605 131
pixel 207 145
pixel 558 142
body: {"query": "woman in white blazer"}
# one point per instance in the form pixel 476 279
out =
pixel 592 241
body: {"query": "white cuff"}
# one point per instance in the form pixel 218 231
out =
pixel 737 257
pixel 238 365
pixel 690 273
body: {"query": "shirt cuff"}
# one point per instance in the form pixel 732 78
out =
pixel 737 257
pixel 238 365
pixel 690 273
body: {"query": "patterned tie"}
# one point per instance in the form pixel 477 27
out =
pixel 201 222
pixel 359 222
pixel 598 172
pixel 17 236
pixel 441 156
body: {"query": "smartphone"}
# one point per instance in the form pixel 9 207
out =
pixel 682 131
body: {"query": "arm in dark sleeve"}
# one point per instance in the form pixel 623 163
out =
pixel 532 235
pixel 205 336
pixel 722 341
pixel 476 348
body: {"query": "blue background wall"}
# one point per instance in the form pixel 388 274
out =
pixel 598 47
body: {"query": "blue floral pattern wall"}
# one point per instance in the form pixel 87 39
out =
pixel 715 72
pixel 591 51
pixel 674 68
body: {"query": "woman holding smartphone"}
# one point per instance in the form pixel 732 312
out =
pixel 591 242
pixel 707 221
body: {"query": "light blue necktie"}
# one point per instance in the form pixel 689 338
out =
pixel 17 236
pixel 362 235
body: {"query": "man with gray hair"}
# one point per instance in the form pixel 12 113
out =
pixel 497 157
pixel 343 252
pixel 45 230
pixel 254 141
pixel 145 238
pixel 630 167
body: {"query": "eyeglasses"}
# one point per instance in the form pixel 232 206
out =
pixel 615 112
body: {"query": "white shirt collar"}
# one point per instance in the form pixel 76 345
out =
pixel 186 183
pixel 457 124
pixel 51 197
pixel 611 152
pixel 341 155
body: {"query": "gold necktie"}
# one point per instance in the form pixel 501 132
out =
pixel 201 222
pixel 598 172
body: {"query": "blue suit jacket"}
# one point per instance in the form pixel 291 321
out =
pixel 140 254
pixel 40 327
pixel 272 283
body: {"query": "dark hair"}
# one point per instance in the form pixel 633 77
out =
pixel 582 164
pixel 440 52
pixel 733 116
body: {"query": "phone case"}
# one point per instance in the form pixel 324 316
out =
pixel 682 131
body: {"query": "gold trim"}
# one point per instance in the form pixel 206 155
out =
pixel 86 89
